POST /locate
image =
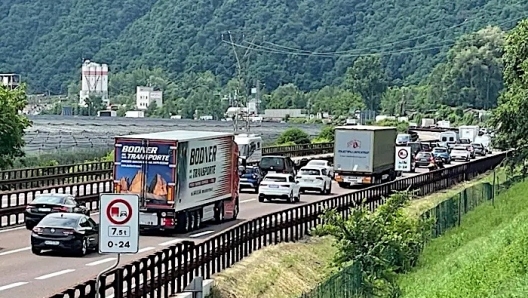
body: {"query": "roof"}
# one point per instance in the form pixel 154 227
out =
pixel 178 135
pixel 366 127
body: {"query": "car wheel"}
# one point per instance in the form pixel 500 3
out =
pixel 329 190
pixel 84 248
pixel 323 190
pixel 29 226
pixel 261 199
pixel 256 189
pixel 36 251
pixel 290 198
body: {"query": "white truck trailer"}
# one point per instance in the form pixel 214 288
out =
pixel 364 155
pixel 183 178
pixel 470 132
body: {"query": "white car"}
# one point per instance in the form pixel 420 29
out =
pixel 460 153
pixel 323 163
pixel 279 186
pixel 314 179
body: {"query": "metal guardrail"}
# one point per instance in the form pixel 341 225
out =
pixel 168 271
pixel 27 178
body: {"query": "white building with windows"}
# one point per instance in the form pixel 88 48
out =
pixel 146 96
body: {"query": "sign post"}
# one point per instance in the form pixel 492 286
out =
pixel 118 227
pixel 403 159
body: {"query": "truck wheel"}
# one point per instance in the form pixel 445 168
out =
pixel 197 220
pixel 236 210
pixel 219 215
pixel 183 224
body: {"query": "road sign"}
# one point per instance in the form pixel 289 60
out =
pixel 402 162
pixel 119 223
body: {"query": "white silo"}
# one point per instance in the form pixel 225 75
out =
pixel 104 80
pixel 94 81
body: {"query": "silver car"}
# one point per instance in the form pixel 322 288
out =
pixel 460 153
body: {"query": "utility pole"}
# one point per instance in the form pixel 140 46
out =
pixel 242 92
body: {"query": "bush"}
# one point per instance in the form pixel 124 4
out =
pixel 293 136
pixel 383 243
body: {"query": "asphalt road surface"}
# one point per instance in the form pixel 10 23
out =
pixel 23 274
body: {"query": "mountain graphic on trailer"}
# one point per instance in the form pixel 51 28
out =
pixel 156 189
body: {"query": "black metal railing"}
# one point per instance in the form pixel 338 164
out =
pixel 168 271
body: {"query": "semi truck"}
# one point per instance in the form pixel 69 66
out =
pixel 469 132
pixel 364 155
pixel 183 178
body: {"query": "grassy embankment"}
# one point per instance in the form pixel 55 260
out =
pixel 289 269
pixel 487 256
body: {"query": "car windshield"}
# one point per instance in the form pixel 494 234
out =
pixel 317 163
pixel 459 149
pixel 48 200
pixel 403 138
pixel 251 170
pixel 310 172
pixel 440 150
pixel 476 145
pixel 275 179
pixel 423 154
pixel 58 221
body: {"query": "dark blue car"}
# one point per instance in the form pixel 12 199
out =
pixel 443 153
pixel 250 178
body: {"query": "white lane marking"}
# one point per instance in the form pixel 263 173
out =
pixel 55 274
pixel 144 249
pixel 170 242
pixel 101 262
pixel 14 251
pixel 201 234
pixel 13 285
pixel 247 201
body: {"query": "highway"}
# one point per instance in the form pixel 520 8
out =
pixel 23 274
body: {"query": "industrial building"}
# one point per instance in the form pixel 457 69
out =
pixel 94 82
pixel 145 96
pixel 10 80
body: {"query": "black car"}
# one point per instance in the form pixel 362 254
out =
pixel 250 178
pixel 44 204
pixel 423 159
pixel 279 164
pixel 68 232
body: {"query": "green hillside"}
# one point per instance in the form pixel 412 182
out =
pixel 306 42
pixel 486 256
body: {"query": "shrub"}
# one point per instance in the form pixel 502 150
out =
pixel 384 242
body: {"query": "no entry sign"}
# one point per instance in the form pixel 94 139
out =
pixel 119 223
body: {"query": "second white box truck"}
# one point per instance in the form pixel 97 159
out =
pixel 364 155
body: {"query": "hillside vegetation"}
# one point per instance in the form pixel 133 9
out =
pixel 305 42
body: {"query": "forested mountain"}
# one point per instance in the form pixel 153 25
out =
pixel 305 42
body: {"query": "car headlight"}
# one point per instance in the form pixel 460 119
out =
pixel 163 214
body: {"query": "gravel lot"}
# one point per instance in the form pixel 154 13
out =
pixel 51 133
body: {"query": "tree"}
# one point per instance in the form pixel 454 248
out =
pixel 510 116
pixel 293 136
pixel 472 75
pixel 382 243
pixel 94 104
pixel 12 125
pixel 367 78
